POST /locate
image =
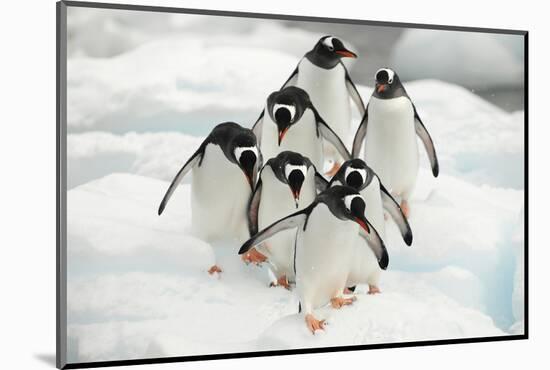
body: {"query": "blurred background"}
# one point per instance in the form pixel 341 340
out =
pixel 487 64
pixel 145 88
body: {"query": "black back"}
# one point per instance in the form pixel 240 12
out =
pixel 228 136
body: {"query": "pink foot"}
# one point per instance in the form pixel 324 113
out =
pixel 314 324
pixel 373 289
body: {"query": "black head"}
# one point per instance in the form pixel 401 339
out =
pixel 328 51
pixel 346 204
pixel 354 173
pixel 388 84
pixel 291 168
pixel 245 154
pixel 286 107
pixel 239 146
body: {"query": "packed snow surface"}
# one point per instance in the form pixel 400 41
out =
pixel 137 282
pixel 138 285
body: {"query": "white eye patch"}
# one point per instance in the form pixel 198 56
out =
pixel 291 167
pixel 328 42
pixel 349 198
pixel 361 172
pixel 241 149
pixel 291 109
pixel 390 73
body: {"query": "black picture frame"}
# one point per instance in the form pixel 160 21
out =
pixel 61 186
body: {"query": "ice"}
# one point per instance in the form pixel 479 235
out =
pixel 160 155
pixel 480 60
pixel 138 285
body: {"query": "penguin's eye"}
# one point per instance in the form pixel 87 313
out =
pixel 348 199
pixel 328 43
pixel 284 112
pixel 291 167
pixel 242 149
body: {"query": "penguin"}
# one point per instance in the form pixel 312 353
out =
pixel 388 129
pixel 289 182
pixel 327 81
pixel 227 159
pixel 356 174
pixel 324 248
pixel 293 123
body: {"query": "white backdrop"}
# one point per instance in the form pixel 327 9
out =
pixel 28 183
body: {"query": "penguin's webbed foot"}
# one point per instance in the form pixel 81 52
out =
pixel 373 289
pixel 338 302
pixel 313 324
pixel 282 281
pixel 253 256
pixel 215 269
pixel 405 208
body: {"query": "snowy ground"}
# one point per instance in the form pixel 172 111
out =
pixel 137 282
pixel 138 285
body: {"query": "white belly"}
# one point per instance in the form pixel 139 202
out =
pixel 323 256
pixel 217 214
pixel 327 90
pixel 300 137
pixel 364 268
pixel 391 148
pixel 277 202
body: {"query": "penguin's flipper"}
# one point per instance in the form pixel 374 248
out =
pixel 376 244
pixel 396 213
pixel 294 220
pixel 291 81
pixel 353 93
pixel 329 135
pixel 258 126
pixel 191 162
pixel 360 134
pixel 321 184
pixel 427 141
pixel 253 209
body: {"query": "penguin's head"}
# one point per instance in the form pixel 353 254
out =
pixel 354 173
pixel 346 204
pixel 286 107
pixel 328 51
pixel 294 168
pixel 387 82
pixel 246 155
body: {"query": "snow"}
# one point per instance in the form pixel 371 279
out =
pixel 141 104
pixel 160 155
pixel 475 60
pixel 138 285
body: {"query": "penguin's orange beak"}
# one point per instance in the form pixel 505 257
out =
pixel 346 53
pixel 363 224
pixel 282 135
pixel 381 87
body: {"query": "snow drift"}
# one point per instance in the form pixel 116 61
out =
pixel 138 285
